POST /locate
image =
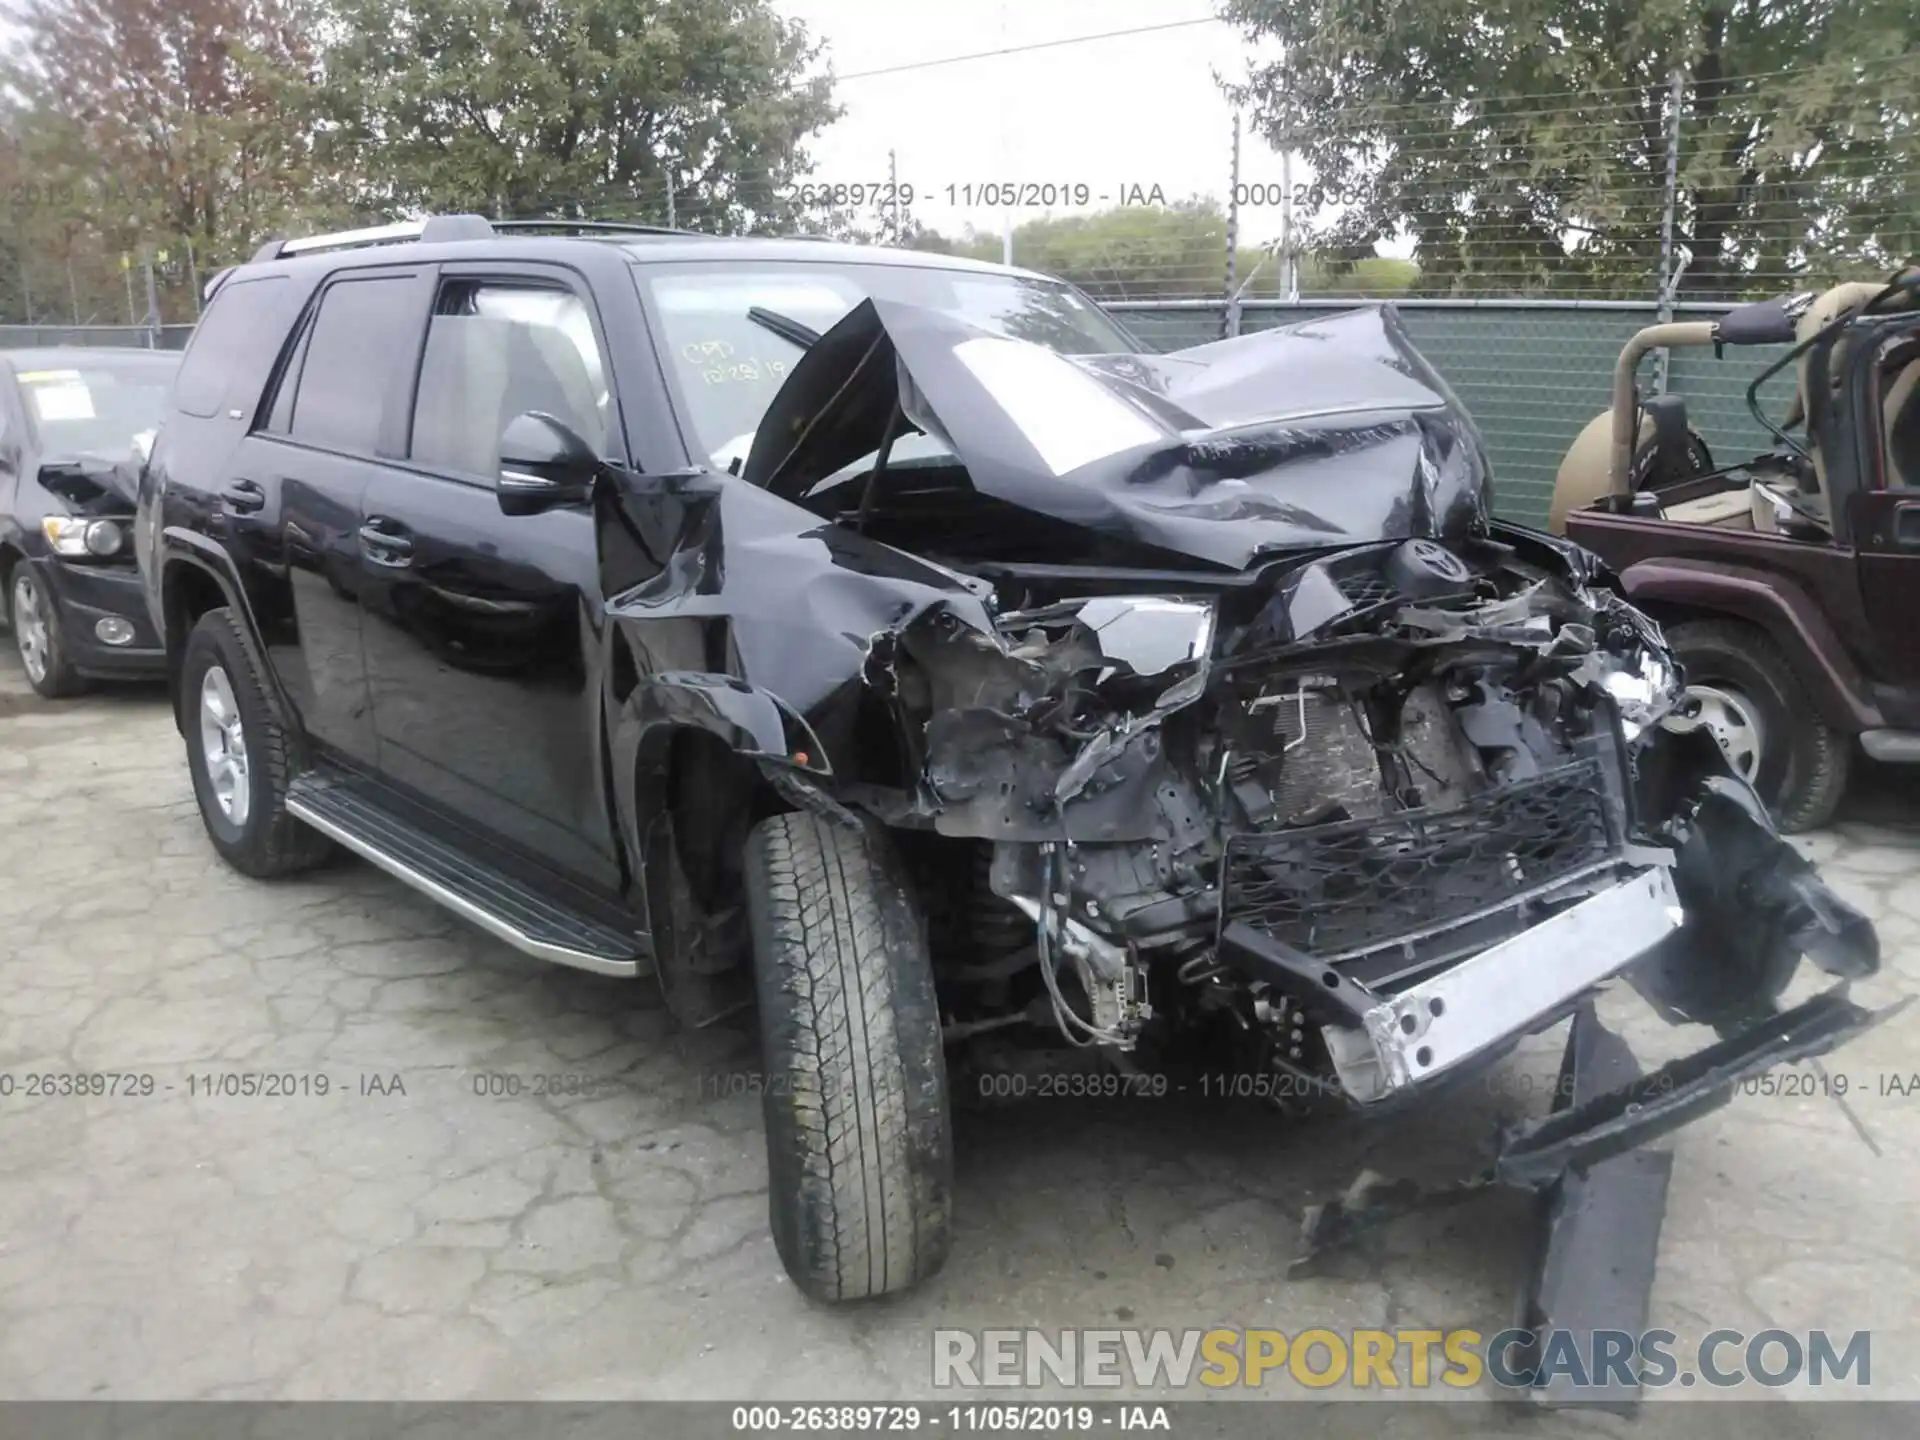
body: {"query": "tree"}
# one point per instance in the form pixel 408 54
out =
pixel 1125 252
pixel 574 108
pixel 1160 252
pixel 149 126
pixel 1522 143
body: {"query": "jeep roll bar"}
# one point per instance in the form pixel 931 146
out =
pixel 1626 397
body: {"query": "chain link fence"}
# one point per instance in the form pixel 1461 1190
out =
pixel 143 337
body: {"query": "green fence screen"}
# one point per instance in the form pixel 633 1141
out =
pixel 1532 374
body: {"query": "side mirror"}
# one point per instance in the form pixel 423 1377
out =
pixel 543 464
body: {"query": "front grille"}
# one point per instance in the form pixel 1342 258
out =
pixel 1364 588
pixel 1344 889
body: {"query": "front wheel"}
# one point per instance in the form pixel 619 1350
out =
pixel 1743 692
pixel 37 636
pixel 859 1150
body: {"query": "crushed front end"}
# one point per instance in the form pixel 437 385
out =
pixel 1244 730
pixel 1361 820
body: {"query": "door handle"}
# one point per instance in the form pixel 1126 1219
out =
pixel 244 497
pixel 386 542
pixel 1906 525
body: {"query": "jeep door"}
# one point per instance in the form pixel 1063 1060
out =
pixel 483 629
pixel 290 497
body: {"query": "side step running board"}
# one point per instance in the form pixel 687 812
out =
pixel 475 891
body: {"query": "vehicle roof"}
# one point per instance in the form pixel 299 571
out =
pixel 75 356
pixel 641 249
pixel 674 248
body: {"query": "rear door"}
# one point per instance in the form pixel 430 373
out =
pixel 482 630
pixel 293 493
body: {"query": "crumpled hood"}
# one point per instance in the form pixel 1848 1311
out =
pixel 92 482
pixel 1333 431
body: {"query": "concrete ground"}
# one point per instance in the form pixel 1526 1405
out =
pixel 407 1235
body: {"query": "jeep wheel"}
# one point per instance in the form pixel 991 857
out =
pixel 859 1151
pixel 237 753
pixel 1742 691
pixel 36 635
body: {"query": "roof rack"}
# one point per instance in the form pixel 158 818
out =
pixel 596 227
pixel 433 228
pixel 437 228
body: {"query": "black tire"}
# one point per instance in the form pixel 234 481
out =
pixel 859 1145
pixel 1804 762
pixel 48 671
pixel 263 841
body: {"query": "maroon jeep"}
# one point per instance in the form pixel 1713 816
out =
pixel 1789 584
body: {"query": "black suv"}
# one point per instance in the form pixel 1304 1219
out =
pixel 879 636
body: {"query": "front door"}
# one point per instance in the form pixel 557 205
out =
pixel 482 630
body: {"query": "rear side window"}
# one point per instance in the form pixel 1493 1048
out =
pixel 233 346
pixel 346 374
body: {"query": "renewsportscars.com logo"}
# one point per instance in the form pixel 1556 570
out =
pixel 1396 1359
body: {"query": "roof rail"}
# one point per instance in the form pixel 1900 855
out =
pixel 591 227
pixel 432 229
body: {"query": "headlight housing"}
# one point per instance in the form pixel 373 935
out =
pixel 1148 634
pixel 76 536
pixel 1646 689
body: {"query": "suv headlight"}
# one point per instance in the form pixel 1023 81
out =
pixel 74 535
pixel 1646 688
pixel 1148 634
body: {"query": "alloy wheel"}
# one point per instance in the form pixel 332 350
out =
pixel 223 743
pixel 1733 720
pixel 31 632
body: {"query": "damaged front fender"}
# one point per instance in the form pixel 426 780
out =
pixel 1050 728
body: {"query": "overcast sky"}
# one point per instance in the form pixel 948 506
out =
pixel 1142 109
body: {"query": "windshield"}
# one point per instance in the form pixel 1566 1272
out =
pixel 100 408
pixel 727 367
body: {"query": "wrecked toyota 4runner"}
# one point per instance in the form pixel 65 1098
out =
pixel 869 635
pixel 1265 737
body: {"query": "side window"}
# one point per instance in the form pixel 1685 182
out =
pixel 497 350
pixel 346 375
pixel 233 343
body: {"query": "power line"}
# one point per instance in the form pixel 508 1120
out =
pixel 1023 49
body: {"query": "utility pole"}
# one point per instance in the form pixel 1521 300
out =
pixel 1289 270
pixel 1230 312
pixel 893 199
pixel 672 223
pixel 153 301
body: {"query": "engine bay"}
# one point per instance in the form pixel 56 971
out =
pixel 1381 761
